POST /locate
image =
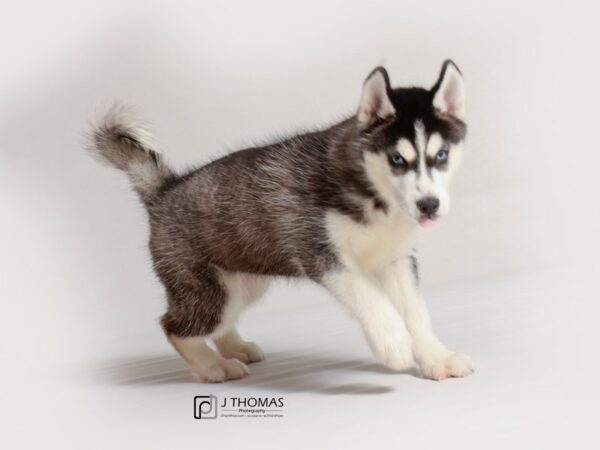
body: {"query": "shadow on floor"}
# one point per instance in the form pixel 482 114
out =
pixel 281 371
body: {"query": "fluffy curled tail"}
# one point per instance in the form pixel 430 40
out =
pixel 123 142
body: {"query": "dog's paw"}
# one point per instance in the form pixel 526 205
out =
pixel 248 352
pixel 225 369
pixel 446 365
pixel 253 352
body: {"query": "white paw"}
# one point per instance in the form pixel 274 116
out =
pixel 225 369
pixel 247 353
pixel 446 365
pixel 394 351
pixel 253 352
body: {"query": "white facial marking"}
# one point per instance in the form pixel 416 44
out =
pixel 434 144
pixel 420 138
pixel 402 190
pixel 378 172
pixel 421 143
pixel 406 150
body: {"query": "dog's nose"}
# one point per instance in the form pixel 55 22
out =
pixel 428 205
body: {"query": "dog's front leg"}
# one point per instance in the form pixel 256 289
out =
pixel 383 326
pixel 400 281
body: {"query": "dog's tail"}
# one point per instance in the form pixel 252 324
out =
pixel 125 143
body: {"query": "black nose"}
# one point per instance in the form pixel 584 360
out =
pixel 428 205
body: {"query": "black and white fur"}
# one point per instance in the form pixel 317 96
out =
pixel 341 206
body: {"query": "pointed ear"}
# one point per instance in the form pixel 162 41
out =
pixel 375 104
pixel 449 91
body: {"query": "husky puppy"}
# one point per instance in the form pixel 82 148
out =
pixel 341 206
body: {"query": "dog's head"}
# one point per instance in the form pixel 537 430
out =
pixel 411 139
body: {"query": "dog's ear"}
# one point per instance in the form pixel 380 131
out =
pixel 375 104
pixel 449 91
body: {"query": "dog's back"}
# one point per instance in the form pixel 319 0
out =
pixel 259 210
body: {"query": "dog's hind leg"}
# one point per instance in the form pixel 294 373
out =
pixel 200 308
pixel 230 344
pixel 207 364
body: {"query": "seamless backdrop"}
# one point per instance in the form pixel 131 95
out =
pixel 76 284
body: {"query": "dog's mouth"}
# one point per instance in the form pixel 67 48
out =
pixel 428 221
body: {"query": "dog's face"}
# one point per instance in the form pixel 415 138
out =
pixel 411 141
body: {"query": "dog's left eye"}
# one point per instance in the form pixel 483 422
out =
pixel 441 156
pixel 396 160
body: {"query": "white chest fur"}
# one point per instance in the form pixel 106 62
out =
pixel 371 246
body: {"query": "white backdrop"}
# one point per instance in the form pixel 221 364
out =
pixel 76 281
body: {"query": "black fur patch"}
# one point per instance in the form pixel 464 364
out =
pixel 415 104
pixel 414 266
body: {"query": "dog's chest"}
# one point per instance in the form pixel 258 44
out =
pixel 374 245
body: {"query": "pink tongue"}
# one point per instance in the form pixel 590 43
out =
pixel 427 223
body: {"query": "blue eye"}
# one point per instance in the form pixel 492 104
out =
pixel 441 156
pixel 396 160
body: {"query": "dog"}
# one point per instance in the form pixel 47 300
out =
pixel 341 206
